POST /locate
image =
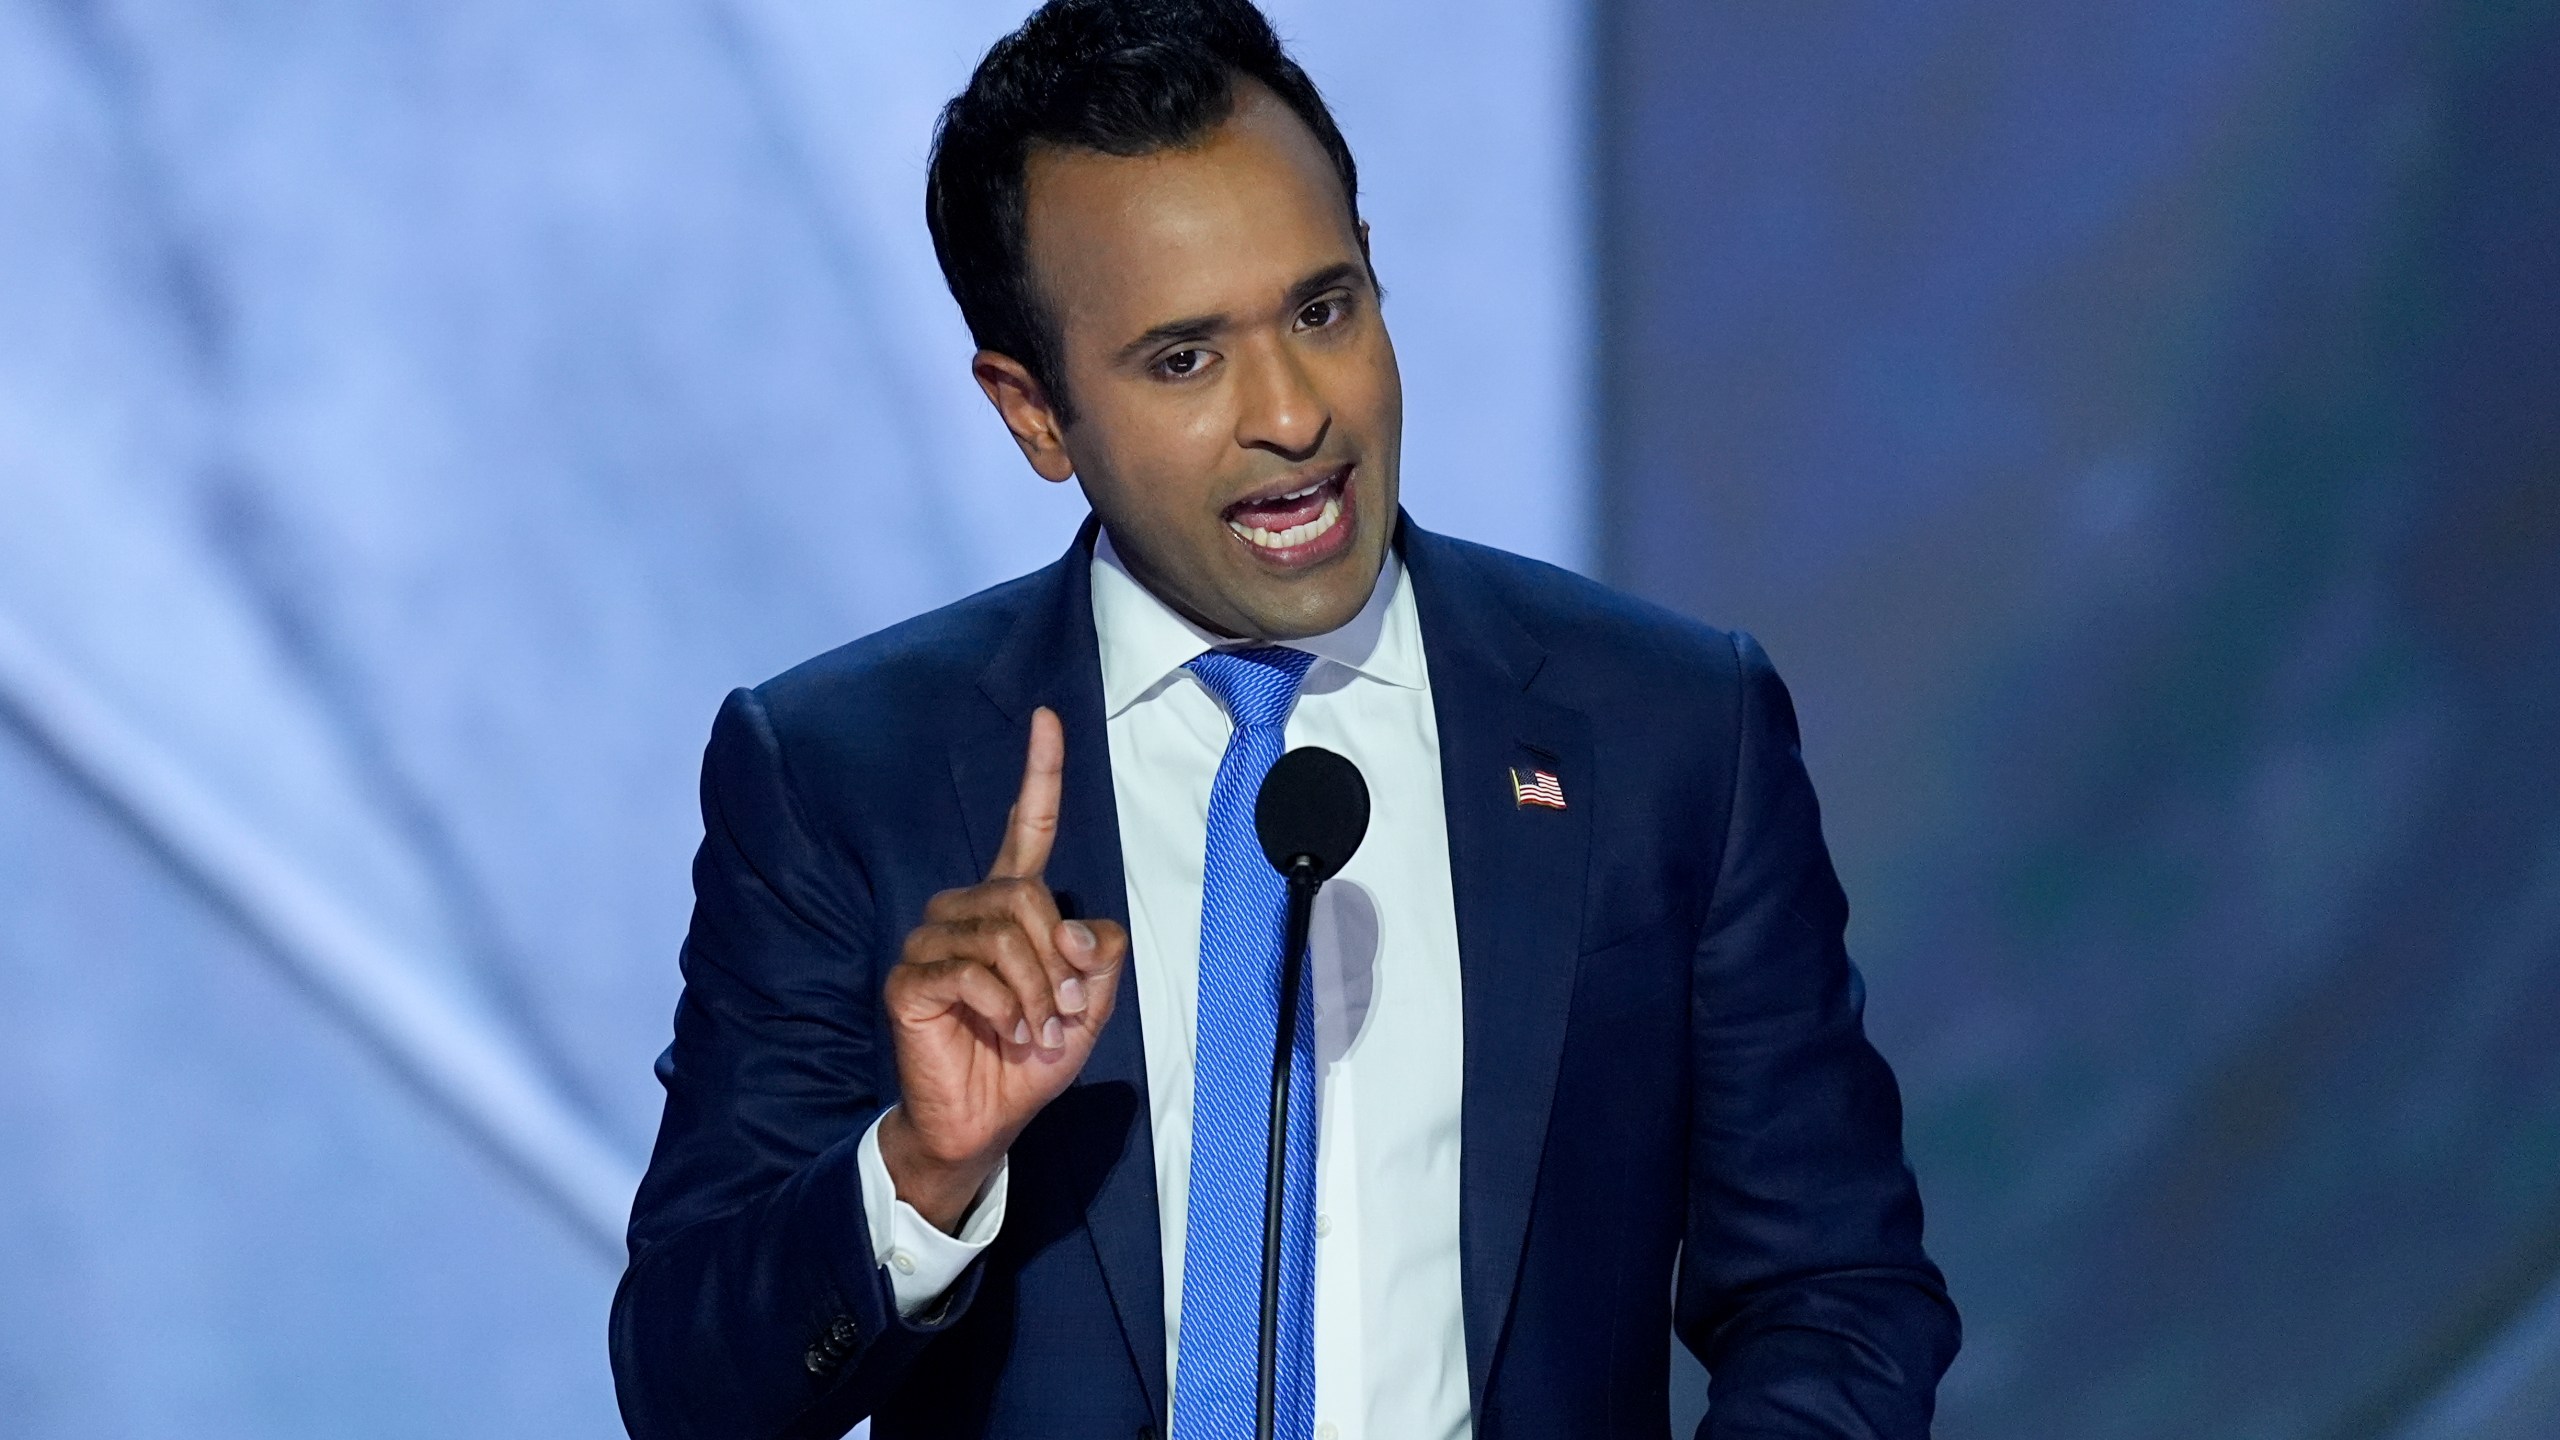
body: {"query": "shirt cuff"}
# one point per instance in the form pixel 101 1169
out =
pixel 921 1260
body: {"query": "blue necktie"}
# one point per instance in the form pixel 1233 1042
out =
pixel 1243 914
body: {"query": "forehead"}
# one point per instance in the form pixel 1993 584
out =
pixel 1229 221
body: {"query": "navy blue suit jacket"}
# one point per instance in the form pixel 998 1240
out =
pixel 1663 1051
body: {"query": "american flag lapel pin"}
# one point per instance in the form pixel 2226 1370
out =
pixel 1538 787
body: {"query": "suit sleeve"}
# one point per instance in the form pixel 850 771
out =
pixel 1803 1286
pixel 754 1304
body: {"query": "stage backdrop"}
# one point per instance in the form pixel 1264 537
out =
pixel 2135 431
pixel 413 419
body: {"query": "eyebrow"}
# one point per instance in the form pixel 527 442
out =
pixel 1201 327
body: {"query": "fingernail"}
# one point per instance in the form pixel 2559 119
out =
pixel 1071 993
pixel 1080 936
pixel 1021 1032
pixel 1053 1034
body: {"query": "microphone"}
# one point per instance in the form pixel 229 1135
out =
pixel 1311 814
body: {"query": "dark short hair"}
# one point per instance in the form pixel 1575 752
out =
pixel 1124 77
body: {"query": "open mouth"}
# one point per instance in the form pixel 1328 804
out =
pixel 1298 526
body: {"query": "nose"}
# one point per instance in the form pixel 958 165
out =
pixel 1280 408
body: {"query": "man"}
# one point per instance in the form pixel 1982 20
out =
pixel 965 1115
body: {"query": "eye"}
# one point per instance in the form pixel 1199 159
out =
pixel 1182 364
pixel 1322 313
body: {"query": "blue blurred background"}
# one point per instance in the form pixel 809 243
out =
pixel 2134 431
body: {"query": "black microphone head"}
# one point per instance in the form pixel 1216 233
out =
pixel 1313 804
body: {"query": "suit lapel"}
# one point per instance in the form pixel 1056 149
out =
pixel 1518 876
pixel 1051 659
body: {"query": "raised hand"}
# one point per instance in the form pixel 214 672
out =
pixel 995 1004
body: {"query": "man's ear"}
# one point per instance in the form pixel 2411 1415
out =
pixel 1024 404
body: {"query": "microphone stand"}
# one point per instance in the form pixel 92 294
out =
pixel 1303 885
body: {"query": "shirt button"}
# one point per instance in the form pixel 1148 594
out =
pixel 1324 1227
pixel 904 1262
pixel 1326 1431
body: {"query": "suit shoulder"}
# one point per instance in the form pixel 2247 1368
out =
pixel 1605 633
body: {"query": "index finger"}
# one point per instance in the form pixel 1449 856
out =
pixel 1033 825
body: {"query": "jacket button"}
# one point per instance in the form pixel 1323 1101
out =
pixel 844 1332
pixel 818 1360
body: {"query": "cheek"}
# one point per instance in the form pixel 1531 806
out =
pixel 1370 408
pixel 1157 455
pixel 1373 389
pixel 1197 429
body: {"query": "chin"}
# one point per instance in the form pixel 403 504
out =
pixel 1326 599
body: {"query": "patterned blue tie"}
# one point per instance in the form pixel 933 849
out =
pixel 1243 913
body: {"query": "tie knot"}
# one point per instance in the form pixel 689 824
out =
pixel 1257 685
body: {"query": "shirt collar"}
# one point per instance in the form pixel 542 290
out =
pixel 1145 642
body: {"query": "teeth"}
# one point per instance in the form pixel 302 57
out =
pixel 1295 535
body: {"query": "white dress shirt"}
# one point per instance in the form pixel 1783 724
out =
pixel 1390 1344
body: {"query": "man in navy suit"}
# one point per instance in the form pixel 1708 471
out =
pixel 964 1129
